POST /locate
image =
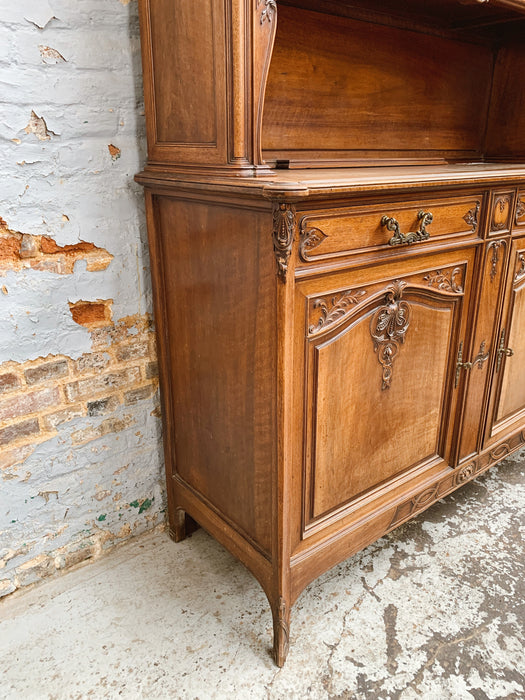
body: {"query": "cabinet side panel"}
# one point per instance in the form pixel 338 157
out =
pixel 184 60
pixel 219 279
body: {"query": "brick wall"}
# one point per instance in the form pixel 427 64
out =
pixel 80 440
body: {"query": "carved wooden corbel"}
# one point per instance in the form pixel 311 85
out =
pixel 283 233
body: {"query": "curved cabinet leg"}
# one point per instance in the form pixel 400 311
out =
pixel 177 527
pixel 181 525
pixel 281 630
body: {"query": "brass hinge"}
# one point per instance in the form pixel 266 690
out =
pixel 479 360
pixel 502 350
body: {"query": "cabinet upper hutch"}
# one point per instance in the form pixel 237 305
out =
pixel 335 196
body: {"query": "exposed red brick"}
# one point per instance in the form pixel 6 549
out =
pixel 29 403
pixel 37 125
pixel 143 392
pixel 91 313
pixel 45 372
pixel 114 151
pixel 152 370
pixel 19 430
pixel 53 420
pixel 29 247
pixel 91 362
pixel 110 425
pixel 101 406
pixel 9 382
pixel 9 248
pixel 86 388
pixel 55 266
pixel 17 250
pixel 132 351
pixel 12 457
pixel 49 246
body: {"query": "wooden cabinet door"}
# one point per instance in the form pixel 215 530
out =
pixel 507 407
pixel 375 365
pixel 476 381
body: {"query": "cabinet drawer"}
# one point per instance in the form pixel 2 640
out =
pixel 332 233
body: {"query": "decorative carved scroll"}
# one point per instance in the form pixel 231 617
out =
pixel 270 7
pixel 388 329
pixel 466 473
pixel 334 308
pixel 283 232
pixel 310 239
pixel 441 488
pixel 446 280
pixel 471 217
pixel 501 205
pixel 520 272
pixel 495 246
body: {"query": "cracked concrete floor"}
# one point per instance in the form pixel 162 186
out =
pixel 435 610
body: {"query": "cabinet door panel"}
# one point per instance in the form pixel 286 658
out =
pixel 378 356
pixel 509 404
pixel 367 431
pixel 484 340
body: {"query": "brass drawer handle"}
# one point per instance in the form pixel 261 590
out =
pixel 425 219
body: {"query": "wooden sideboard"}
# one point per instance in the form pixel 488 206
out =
pixel 335 197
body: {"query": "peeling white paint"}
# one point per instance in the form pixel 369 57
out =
pixel 70 80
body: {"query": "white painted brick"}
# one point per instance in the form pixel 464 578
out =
pixel 73 174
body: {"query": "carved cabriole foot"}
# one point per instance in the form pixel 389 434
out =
pixel 281 631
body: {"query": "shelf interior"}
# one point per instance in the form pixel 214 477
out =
pixel 361 83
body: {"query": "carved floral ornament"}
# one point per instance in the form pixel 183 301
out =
pixel 310 239
pixel 270 8
pixel 471 217
pixel 495 246
pixel 283 233
pixel 500 212
pixel 334 308
pixel 388 328
pixel 446 280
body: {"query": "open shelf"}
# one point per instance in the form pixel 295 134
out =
pixel 374 83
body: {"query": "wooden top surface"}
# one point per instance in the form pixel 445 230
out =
pixel 294 185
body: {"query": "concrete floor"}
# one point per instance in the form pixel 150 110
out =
pixel 435 610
